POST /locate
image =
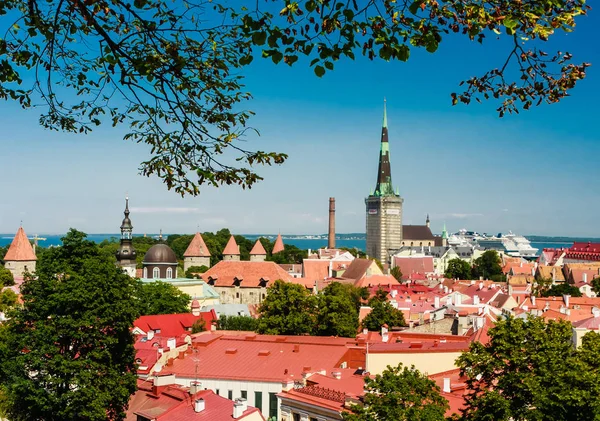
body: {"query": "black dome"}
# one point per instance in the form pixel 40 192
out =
pixel 160 253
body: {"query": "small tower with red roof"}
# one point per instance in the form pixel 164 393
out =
pixel 258 252
pixel 20 257
pixel 231 250
pixel 197 254
pixel 278 246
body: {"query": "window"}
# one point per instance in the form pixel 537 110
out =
pixel 272 404
pixel 237 295
pixel 258 400
pixel 155 273
pixel 296 416
pixel 245 394
pixel 145 272
pixel 217 391
pixel 230 394
pixel 169 273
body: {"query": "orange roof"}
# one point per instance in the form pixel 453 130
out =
pixel 278 247
pixel 248 274
pixel 231 247
pixel 376 280
pixel 20 249
pixel 258 249
pixel 197 247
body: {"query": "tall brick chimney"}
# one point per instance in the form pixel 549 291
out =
pixel 331 242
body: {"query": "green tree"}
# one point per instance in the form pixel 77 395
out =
pixel 8 300
pixel 596 285
pixel 171 71
pixel 396 272
pixel 458 269
pixel 530 371
pixel 195 271
pixel 382 313
pixel 244 323
pixel 6 277
pixel 400 394
pixel 489 266
pixel 559 290
pixel 199 326
pixel 68 352
pixel 288 309
pixel 337 312
pixel 160 297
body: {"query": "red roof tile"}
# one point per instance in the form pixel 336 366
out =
pixel 247 274
pixel 258 249
pixel 315 269
pixel 414 265
pixel 20 249
pixel 197 247
pixel 173 325
pixel 376 281
pixel 278 246
pixel 174 403
pixel 237 356
pixel 231 247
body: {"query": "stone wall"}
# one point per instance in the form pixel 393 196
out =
pixel 195 261
pixel 241 295
pixel 18 268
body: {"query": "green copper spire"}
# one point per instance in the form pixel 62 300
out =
pixel 384 114
pixel 444 232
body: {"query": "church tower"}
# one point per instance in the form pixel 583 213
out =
pixel 384 207
pixel 126 255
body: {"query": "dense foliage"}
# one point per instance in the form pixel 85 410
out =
pixel 6 277
pixel 337 311
pixel 559 290
pixel 458 269
pixel 172 71
pixel 396 272
pixel 488 266
pixel 160 297
pixel 245 323
pixel 400 394
pixel 195 271
pixel 382 313
pixel 68 354
pixel 530 371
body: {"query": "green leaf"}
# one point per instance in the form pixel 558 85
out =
pixel 319 71
pixel 328 65
pixel 259 38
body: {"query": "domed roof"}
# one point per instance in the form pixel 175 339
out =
pixel 160 253
pixel 195 304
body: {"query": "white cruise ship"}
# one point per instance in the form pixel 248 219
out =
pixel 511 244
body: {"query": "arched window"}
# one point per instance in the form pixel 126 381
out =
pixel 145 273
pixel 155 273
pixel 169 273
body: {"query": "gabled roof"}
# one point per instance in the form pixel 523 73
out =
pixel 258 249
pixel 416 232
pixel 376 281
pixel 359 267
pixel 550 272
pixel 173 325
pixel 247 274
pixel 174 403
pixel 414 265
pixel 197 247
pixel 231 247
pixel 20 249
pixel 278 246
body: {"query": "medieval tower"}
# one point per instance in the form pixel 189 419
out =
pixel 126 255
pixel 384 207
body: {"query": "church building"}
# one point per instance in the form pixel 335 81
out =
pixel 384 207
pixel 20 257
pixel 126 255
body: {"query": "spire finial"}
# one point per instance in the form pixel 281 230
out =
pixel 384 113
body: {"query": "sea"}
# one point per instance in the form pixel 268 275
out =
pixel 301 241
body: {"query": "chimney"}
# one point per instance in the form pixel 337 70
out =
pixel 476 300
pixel 533 300
pixel 596 311
pixel 150 334
pixel 365 331
pixel 480 286
pixel 331 239
pixel 566 299
pixel 336 375
pixel 584 278
pixel 458 299
pixel 436 302
pixel 171 344
pixel 446 387
pixel 239 407
pixel 384 333
pixel 199 405
pixel 195 387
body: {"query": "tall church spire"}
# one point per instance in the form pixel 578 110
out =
pixel 384 174
pixel 126 255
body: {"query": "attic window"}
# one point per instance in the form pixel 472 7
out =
pixel 231 351
pixel 264 353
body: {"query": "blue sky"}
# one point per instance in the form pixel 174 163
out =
pixel 535 173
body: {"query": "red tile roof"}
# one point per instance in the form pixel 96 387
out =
pixel 20 249
pixel 266 358
pixel 584 251
pixel 315 269
pixel 458 388
pixel 247 274
pixel 376 281
pixel 174 403
pixel 414 265
pixel 173 325
pixel 231 247
pixel 197 247
pixel 278 246
pixel 258 249
pixel 358 268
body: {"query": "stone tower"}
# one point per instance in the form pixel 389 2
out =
pixel 197 254
pixel 384 207
pixel 231 250
pixel 258 252
pixel 126 255
pixel 20 257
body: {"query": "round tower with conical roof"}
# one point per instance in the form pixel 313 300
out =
pixel 126 255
